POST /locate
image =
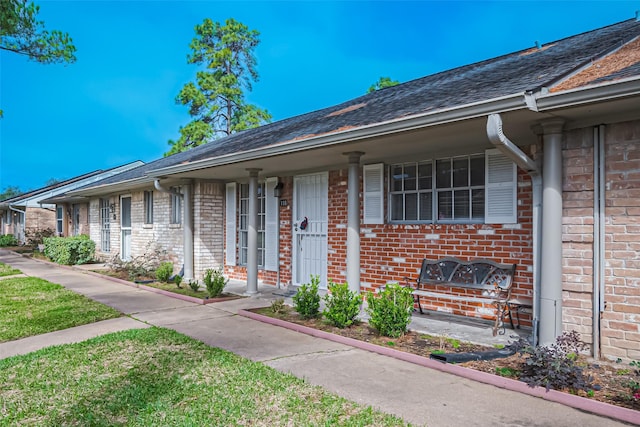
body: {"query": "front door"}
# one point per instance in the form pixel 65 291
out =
pixel 310 228
pixel 125 227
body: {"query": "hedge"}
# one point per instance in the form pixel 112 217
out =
pixel 70 250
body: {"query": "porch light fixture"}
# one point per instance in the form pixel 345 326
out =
pixel 277 190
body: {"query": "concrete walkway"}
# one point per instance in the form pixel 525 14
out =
pixel 419 395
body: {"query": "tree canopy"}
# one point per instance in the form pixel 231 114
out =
pixel 21 32
pixel 216 100
pixel 9 192
pixel 382 83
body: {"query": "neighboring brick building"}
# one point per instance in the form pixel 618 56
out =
pixel 368 188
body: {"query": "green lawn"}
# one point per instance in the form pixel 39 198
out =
pixel 31 306
pixel 7 270
pixel 155 376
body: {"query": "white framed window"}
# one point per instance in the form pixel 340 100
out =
pixel 176 206
pixel 449 190
pixel 105 226
pixel 243 226
pixel 148 207
pixel 59 220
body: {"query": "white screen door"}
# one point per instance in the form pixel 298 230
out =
pixel 125 227
pixel 310 228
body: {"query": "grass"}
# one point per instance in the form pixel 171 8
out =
pixel 156 376
pixel 7 270
pixel 31 306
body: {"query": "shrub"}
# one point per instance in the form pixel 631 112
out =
pixel 633 384
pixel 164 271
pixel 278 306
pixel 8 240
pixel 342 305
pixel 141 266
pixel 554 366
pixel 70 250
pixel 214 281
pixel 307 301
pixel 194 285
pixel 177 280
pixel 391 310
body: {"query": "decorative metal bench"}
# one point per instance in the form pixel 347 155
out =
pixel 491 280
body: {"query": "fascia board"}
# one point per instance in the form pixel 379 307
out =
pixel 469 111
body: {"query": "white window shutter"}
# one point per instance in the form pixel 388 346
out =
pixel 230 226
pixel 373 193
pixel 270 226
pixel 501 186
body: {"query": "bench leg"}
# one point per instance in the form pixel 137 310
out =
pixel 417 299
pixel 499 323
pixel 509 308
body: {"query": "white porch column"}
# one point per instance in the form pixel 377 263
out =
pixel 252 234
pixel 551 259
pixel 188 231
pixel 353 221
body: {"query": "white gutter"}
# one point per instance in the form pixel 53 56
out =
pixel 469 111
pixel 509 149
pixel 588 95
pixel 187 226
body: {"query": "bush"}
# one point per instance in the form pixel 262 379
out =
pixel 70 250
pixel 391 310
pixel 307 301
pixel 164 271
pixel 343 305
pixel 214 281
pixel 8 240
pixel 554 366
pixel 140 266
pixel 177 280
pixel 194 285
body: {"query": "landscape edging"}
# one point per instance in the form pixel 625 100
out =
pixel 578 402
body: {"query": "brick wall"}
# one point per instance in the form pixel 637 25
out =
pixel 620 321
pixel 39 219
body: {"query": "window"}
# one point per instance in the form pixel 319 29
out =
pixel 76 220
pixel 444 190
pixel 148 207
pixel 176 206
pixel 243 235
pixel 59 219
pixel 105 231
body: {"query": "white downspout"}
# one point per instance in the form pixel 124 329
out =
pixel 21 233
pixel 187 240
pixel 509 149
pixel 598 234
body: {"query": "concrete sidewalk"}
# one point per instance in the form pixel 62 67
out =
pixel 417 394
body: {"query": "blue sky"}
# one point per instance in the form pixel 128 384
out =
pixel 116 104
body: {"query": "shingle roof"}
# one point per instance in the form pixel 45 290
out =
pixel 518 72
